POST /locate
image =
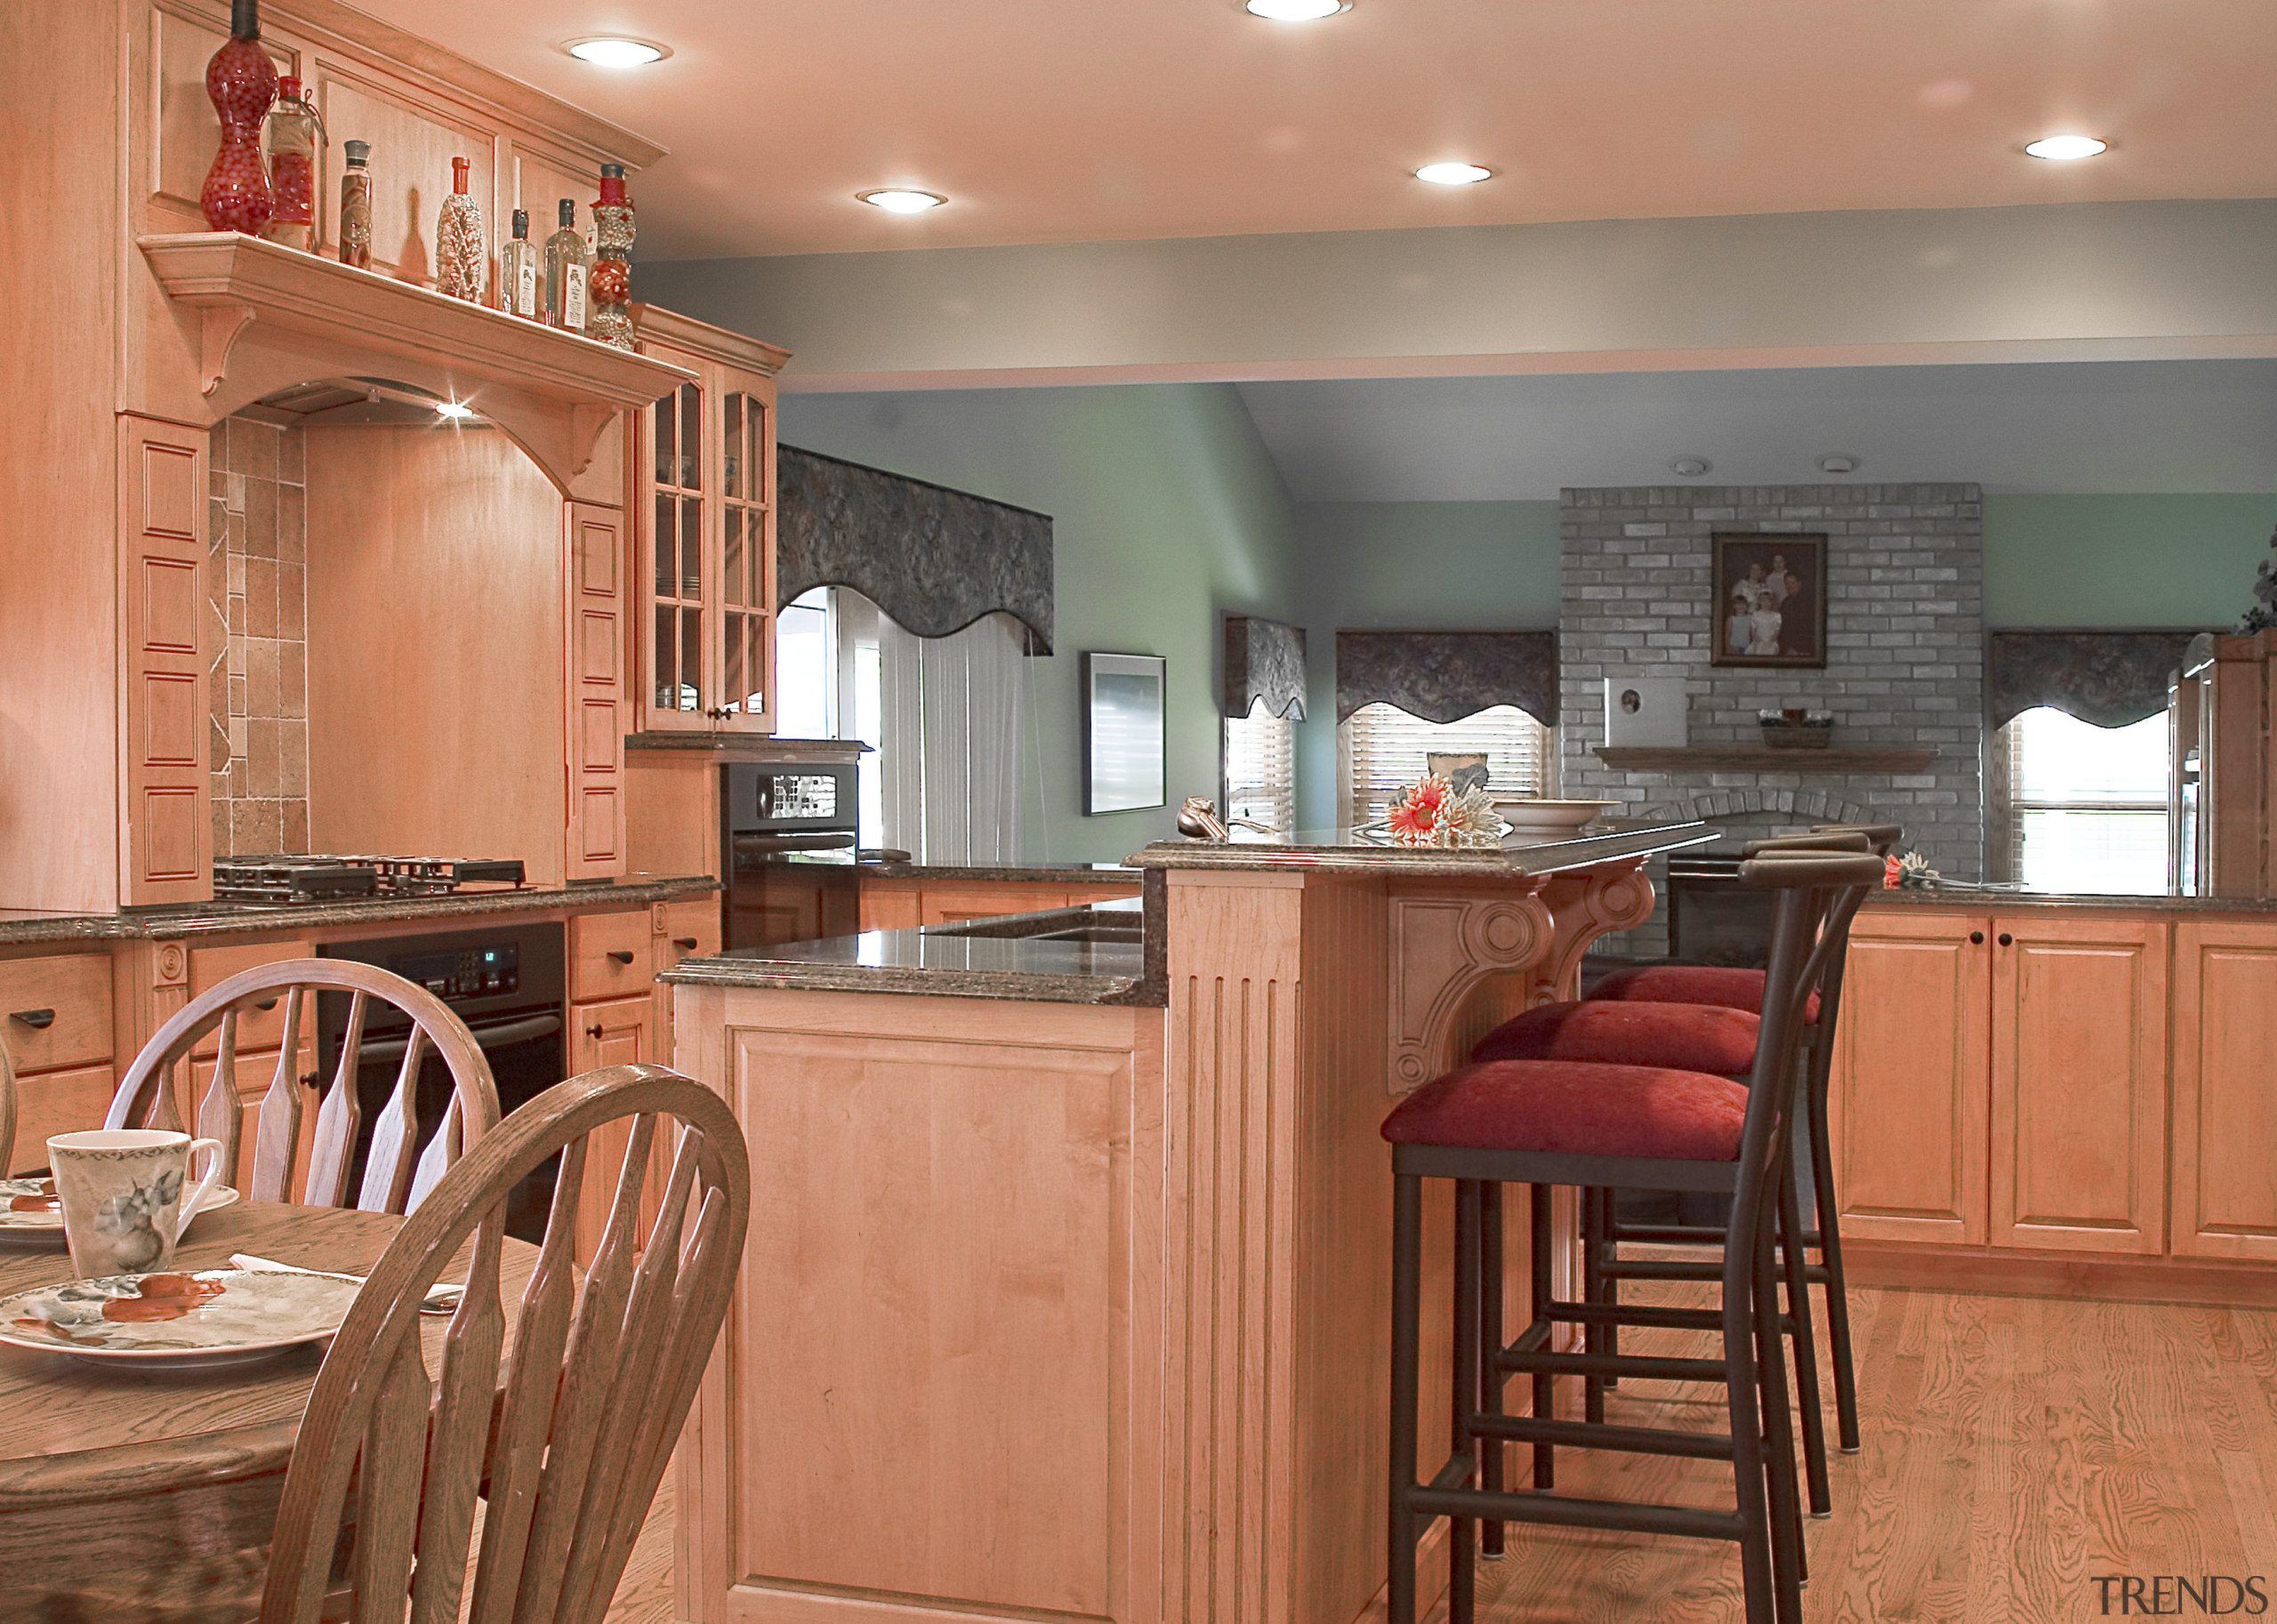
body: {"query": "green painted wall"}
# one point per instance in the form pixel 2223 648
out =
pixel 1410 566
pixel 1167 512
pixel 2123 561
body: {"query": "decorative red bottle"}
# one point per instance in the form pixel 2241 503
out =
pixel 242 82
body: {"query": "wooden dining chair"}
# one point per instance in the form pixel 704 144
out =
pixel 603 1369
pixel 396 1174
pixel 7 1109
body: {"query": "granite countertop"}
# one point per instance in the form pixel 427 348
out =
pixel 1343 849
pixel 2002 896
pixel 973 959
pixel 226 917
pixel 1033 873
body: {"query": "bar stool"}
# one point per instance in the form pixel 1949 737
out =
pixel 1742 989
pixel 1720 1041
pixel 1601 1127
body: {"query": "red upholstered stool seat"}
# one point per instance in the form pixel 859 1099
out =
pixel 1567 1108
pixel 1690 984
pixel 1712 1038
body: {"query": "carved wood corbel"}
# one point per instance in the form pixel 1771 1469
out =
pixel 1443 947
pixel 219 330
pixel 1586 905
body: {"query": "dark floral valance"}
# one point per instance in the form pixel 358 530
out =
pixel 1264 660
pixel 933 559
pixel 2107 679
pixel 1445 676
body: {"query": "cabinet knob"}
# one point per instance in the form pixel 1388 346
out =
pixel 686 943
pixel 308 1080
pixel 1977 938
pixel 38 1020
pixel 2007 940
pixel 594 1032
pixel 622 958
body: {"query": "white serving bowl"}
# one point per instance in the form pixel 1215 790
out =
pixel 1550 817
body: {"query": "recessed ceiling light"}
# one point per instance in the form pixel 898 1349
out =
pixel 1691 468
pixel 1838 462
pixel 902 200
pixel 1454 174
pixel 453 410
pixel 2065 148
pixel 616 51
pixel 1295 11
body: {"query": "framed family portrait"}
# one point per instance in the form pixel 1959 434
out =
pixel 1770 603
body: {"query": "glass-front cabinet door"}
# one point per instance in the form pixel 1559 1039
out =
pixel 705 463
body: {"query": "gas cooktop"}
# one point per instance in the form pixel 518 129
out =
pixel 288 878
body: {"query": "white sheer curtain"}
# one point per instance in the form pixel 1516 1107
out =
pixel 951 714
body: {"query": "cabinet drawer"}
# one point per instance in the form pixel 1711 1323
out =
pixel 257 1028
pixel 56 1012
pixel 690 930
pixel 57 1102
pixel 945 905
pixel 609 955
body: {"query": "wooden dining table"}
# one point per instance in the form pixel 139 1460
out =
pixel 107 1470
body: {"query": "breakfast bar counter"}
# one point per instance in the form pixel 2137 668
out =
pixel 1060 1306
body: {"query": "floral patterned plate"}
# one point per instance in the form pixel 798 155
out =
pixel 184 1321
pixel 38 1224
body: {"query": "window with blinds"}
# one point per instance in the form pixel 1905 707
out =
pixel 2085 808
pixel 1261 769
pixel 1386 750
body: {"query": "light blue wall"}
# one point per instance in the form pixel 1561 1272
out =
pixel 1167 512
pixel 2132 560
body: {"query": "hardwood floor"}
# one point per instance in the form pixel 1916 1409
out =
pixel 2015 1449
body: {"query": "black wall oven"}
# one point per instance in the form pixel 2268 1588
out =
pixel 787 835
pixel 506 982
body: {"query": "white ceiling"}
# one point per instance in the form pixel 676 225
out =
pixel 2156 426
pixel 1093 120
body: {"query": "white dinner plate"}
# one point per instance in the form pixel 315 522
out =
pixel 184 1321
pixel 1527 815
pixel 44 1230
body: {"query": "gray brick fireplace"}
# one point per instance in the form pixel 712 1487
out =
pixel 1905 657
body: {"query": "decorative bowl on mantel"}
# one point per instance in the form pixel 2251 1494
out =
pixel 1797 730
pixel 1549 819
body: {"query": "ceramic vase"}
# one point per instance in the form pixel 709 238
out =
pixel 242 83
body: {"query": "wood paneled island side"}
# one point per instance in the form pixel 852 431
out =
pixel 1065 1295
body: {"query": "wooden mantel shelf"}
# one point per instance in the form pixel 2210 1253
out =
pixel 1762 758
pixel 270 316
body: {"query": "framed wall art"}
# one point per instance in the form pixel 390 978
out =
pixel 1770 599
pixel 1122 732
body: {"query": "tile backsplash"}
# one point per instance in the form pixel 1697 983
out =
pixel 257 685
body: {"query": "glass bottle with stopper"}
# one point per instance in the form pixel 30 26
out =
pixel 610 288
pixel 564 273
pixel 521 273
pixel 294 129
pixel 462 255
pixel 356 205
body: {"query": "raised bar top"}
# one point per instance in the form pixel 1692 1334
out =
pixel 1348 849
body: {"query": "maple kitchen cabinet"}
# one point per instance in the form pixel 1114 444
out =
pixel 2059 1079
pixel 153 331
pixel 55 1019
pixel 2224 1194
pixel 703 502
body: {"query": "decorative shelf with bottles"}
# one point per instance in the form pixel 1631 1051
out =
pixel 267 316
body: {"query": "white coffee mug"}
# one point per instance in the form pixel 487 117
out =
pixel 123 1196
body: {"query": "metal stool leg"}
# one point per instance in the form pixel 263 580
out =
pixel 1406 1311
pixel 1593 1334
pixel 1798 1309
pixel 1742 1394
pixel 1829 1252
pixel 1545 1389
pixel 1779 1439
pixel 1462 1551
pixel 1493 1450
